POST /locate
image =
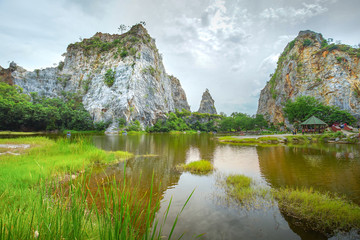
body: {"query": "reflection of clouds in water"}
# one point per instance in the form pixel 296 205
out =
pixel 235 159
pixel 192 155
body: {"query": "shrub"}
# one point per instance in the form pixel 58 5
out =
pixel 324 43
pixel 109 77
pixel 61 66
pixel 134 126
pixel 123 54
pixel 339 59
pixel 307 42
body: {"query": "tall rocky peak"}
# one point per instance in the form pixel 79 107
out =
pixel 207 104
pixel 117 76
pixel 311 66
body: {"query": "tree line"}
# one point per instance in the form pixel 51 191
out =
pixel 19 111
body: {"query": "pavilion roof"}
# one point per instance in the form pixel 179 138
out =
pixel 314 121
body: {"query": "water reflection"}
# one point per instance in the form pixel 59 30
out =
pixel 333 168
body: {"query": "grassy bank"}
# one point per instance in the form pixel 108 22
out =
pixel 82 132
pixel 322 212
pixel 197 167
pixel 251 141
pixel 19 133
pixel 35 204
pixel 47 159
pixel 293 139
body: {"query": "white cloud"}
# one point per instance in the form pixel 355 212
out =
pixel 215 34
pixel 293 15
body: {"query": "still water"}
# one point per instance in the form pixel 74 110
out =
pixel 330 167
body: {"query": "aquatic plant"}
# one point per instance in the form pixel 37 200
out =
pixel 199 167
pixel 320 211
pixel 244 190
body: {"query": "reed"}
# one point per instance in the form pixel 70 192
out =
pixel 34 203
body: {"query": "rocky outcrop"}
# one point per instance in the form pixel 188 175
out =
pixel 207 104
pixel 310 66
pixel 117 76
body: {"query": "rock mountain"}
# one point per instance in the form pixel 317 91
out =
pixel 309 66
pixel 117 76
pixel 207 104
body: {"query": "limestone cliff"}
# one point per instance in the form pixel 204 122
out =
pixel 117 76
pixel 207 103
pixel 310 66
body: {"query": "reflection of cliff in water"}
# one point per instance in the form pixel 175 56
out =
pixel 334 168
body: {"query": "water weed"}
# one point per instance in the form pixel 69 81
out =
pixel 197 167
pixel 320 211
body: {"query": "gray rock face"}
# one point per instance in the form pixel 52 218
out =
pixel 207 103
pixel 140 90
pixel 330 74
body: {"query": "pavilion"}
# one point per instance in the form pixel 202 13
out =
pixel 313 124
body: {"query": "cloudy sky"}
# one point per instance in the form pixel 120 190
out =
pixel 227 46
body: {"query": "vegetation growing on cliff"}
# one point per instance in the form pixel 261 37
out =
pixel 109 77
pixel 19 111
pixel 305 106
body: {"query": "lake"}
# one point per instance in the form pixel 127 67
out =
pixel 326 167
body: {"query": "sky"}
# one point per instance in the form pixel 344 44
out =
pixel 228 46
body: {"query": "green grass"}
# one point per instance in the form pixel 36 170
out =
pixel 238 181
pixel 244 190
pixel 291 140
pixel 48 158
pixel 251 141
pixel 18 133
pixel 81 132
pixel 183 132
pixel 34 201
pixel 320 211
pixel 198 167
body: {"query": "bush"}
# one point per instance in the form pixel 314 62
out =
pixel 109 77
pixel 123 54
pixel 134 126
pixel 307 42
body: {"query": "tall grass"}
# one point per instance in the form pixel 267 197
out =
pixel 72 212
pixel 35 204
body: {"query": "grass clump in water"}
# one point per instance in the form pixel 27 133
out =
pixel 243 190
pixel 319 211
pixel 199 167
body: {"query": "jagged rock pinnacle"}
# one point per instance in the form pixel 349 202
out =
pixel 207 103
